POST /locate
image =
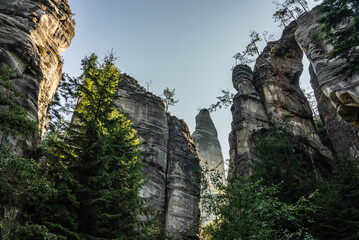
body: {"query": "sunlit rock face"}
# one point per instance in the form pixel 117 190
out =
pixel 249 116
pixel 343 137
pixel 170 156
pixel 276 77
pixel 32 35
pixel 343 93
pixel 209 150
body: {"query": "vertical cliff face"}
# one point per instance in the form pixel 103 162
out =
pixel 170 156
pixel 209 150
pixel 32 35
pixel 343 93
pixel 183 172
pixel 249 115
pixel 343 137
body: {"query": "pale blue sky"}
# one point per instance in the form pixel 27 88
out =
pixel 183 44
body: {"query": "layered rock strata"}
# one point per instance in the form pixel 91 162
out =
pixel 183 172
pixel 249 116
pixel 343 137
pixel 342 92
pixel 276 77
pixel 170 156
pixel 32 35
pixel 209 148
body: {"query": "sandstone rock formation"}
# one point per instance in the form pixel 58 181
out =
pixel 249 115
pixel 276 77
pixel 170 156
pixel 32 35
pixel 183 172
pixel 344 138
pixel 272 95
pixel 343 93
pixel 209 150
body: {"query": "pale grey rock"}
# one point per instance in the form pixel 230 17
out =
pixel 170 156
pixel 249 116
pixel 32 36
pixel 344 138
pixel 182 210
pixel 147 113
pixel 209 150
pixel 343 93
pixel 276 77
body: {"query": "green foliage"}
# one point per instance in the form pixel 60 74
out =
pixel 250 210
pixel 13 117
pixel 224 101
pixel 279 160
pixel 168 98
pixel 337 216
pixel 340 27
pixel 95 162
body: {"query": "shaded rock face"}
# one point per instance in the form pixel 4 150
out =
pixel 183 173
pixel 170 156
pixel 343 93
pixel 32 35
pixel 209 150
pixel 344 138
pixel 249 115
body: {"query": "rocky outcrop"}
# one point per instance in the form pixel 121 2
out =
pixel 183 172
pixel 249 116
pixel 271 95
pixel 342 92
pixel 32 35
pixel 343 137
pixel 170 156
pixel 276 77
pixel 209 150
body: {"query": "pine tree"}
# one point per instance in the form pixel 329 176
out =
pixel 340 26
pixel 96 163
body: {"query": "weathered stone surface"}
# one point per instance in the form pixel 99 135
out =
pixel 170 156
pixel 249 115
pixel 209 150
pixel 146 111
pixel 344 138
pixel 32 35
pixel 183 172
pixel 276 77
pixel 343 93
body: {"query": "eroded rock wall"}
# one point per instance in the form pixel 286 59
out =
pixel 183 172
pixel 276 77
pixel 32 35
pixel 170 156
pixel 343 93
pixel 343 137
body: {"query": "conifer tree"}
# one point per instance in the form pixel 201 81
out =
pixel 96 163
pixel 340 26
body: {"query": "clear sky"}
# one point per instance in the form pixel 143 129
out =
pixel 185 45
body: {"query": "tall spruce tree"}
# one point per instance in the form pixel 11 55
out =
pixel 95 162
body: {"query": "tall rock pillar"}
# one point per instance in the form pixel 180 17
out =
pixel 209 150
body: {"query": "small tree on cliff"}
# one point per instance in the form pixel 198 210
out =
pixel 96 162
pixel 168 98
